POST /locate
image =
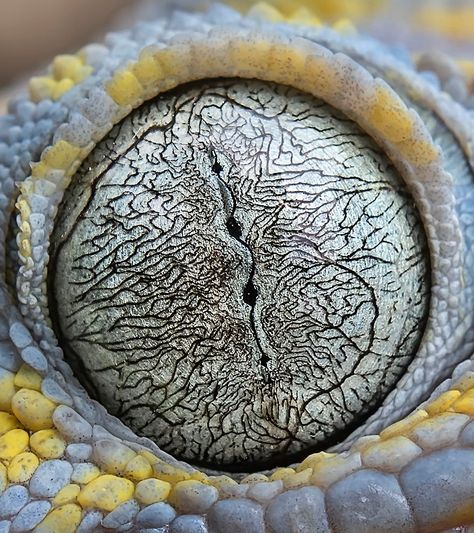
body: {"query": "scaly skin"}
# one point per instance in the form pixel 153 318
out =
pixel 66 465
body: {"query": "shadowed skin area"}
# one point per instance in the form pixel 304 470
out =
pixel 239 273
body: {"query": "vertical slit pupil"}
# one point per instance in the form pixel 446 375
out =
pixel 250 292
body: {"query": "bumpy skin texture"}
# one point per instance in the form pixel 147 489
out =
pixel 67 465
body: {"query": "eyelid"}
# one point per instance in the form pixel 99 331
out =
pixel 41 193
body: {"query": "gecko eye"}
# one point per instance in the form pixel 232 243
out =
pixel 248 246
pixel 252 241
pixel 239 273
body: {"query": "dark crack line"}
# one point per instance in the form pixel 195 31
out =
pixel 250 293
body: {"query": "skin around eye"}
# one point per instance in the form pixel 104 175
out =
pixel 239 274
pixel 76 467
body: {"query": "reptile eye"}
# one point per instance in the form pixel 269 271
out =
pixel 255 267
pixel 250 247
pixel 239 273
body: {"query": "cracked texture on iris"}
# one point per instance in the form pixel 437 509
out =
pixel 239 273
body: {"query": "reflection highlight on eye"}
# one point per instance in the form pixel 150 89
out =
pixel 239 273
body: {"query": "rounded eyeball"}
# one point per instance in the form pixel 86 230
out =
pixel 239 272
